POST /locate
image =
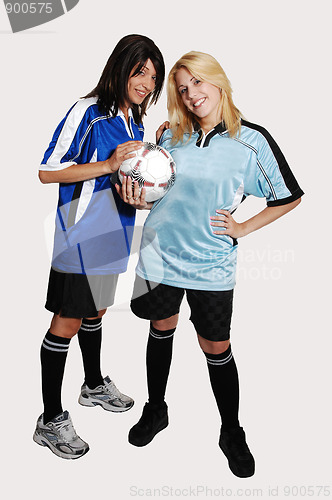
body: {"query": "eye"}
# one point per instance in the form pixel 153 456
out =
pixel 196 82
pixel 183 90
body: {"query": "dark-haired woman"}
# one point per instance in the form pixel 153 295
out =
pixel 93 231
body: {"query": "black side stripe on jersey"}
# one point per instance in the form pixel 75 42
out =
pixel 259 166
pixel 285 171
pixel 74 204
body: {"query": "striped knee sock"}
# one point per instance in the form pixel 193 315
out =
pixel 225 385
pixel 89 338
pixel 53 356
pixel 158 362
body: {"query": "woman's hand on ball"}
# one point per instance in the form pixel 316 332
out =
pixel 130 193
pixel 122 152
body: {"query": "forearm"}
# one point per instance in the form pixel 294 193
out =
pixel 224 224
pixel 265 217
pixel 85 171
pixel 76 173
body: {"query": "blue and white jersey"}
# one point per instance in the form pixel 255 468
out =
pixel 214 171
pixel 94 227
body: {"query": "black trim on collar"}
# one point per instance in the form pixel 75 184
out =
pixel 218 129
pixel 200 137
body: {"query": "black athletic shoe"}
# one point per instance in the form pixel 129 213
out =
pixel 234 446
pixel 153 420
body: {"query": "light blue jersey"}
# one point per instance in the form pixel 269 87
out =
pixel 214 171
pixel 94 227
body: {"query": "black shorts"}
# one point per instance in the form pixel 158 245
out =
pixel 211 311
pixel 78 295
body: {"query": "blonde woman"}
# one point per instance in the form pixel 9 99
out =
pixel 189 241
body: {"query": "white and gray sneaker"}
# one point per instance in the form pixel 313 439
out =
pixel 60 437
pixel 107 396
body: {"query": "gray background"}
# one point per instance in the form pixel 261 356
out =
pixel 276 55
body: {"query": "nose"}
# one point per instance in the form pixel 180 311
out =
pixel 148 83
pixel 191 92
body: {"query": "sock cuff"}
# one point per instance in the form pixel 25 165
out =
pixel 161 334
pixel 91 325
pixel 54 343
pixel 219 359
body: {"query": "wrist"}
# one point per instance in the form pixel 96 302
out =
pixel 243 229
pixel 107 167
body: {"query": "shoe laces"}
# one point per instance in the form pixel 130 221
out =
pixel 112 389
pixel 66 430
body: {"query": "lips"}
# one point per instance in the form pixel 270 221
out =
pixel 199 103
pixel 140 93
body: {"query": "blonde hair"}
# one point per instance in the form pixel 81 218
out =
pixel 206 68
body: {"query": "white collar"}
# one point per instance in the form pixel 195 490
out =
pixel 121 113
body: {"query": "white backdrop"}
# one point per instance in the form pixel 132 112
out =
pixel 277 56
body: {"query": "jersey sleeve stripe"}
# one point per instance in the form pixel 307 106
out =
pixel 284 201
pixel 66 137
pixel 286 173
pixel 86 134
pixel 260 166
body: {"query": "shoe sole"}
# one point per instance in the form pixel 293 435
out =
pixel 233 466
pixel 39 439
pixel 131 441
pixel 92 403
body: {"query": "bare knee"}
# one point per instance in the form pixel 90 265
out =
pixel 165 324
pixel 212 347
pixel 100 314
pixel 65 327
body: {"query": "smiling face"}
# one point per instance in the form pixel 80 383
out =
pixel 142 84
pixel 200 98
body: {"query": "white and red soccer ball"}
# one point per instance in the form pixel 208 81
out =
pixel 153 168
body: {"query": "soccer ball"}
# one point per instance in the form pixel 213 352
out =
pixel 154 169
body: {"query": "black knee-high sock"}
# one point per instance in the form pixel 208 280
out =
pixel 53 356
pixel 89 338
pixel 158 362
pixel 225 385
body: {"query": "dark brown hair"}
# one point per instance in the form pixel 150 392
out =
pixel 132 51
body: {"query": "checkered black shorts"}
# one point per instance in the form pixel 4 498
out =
pixel 211 311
